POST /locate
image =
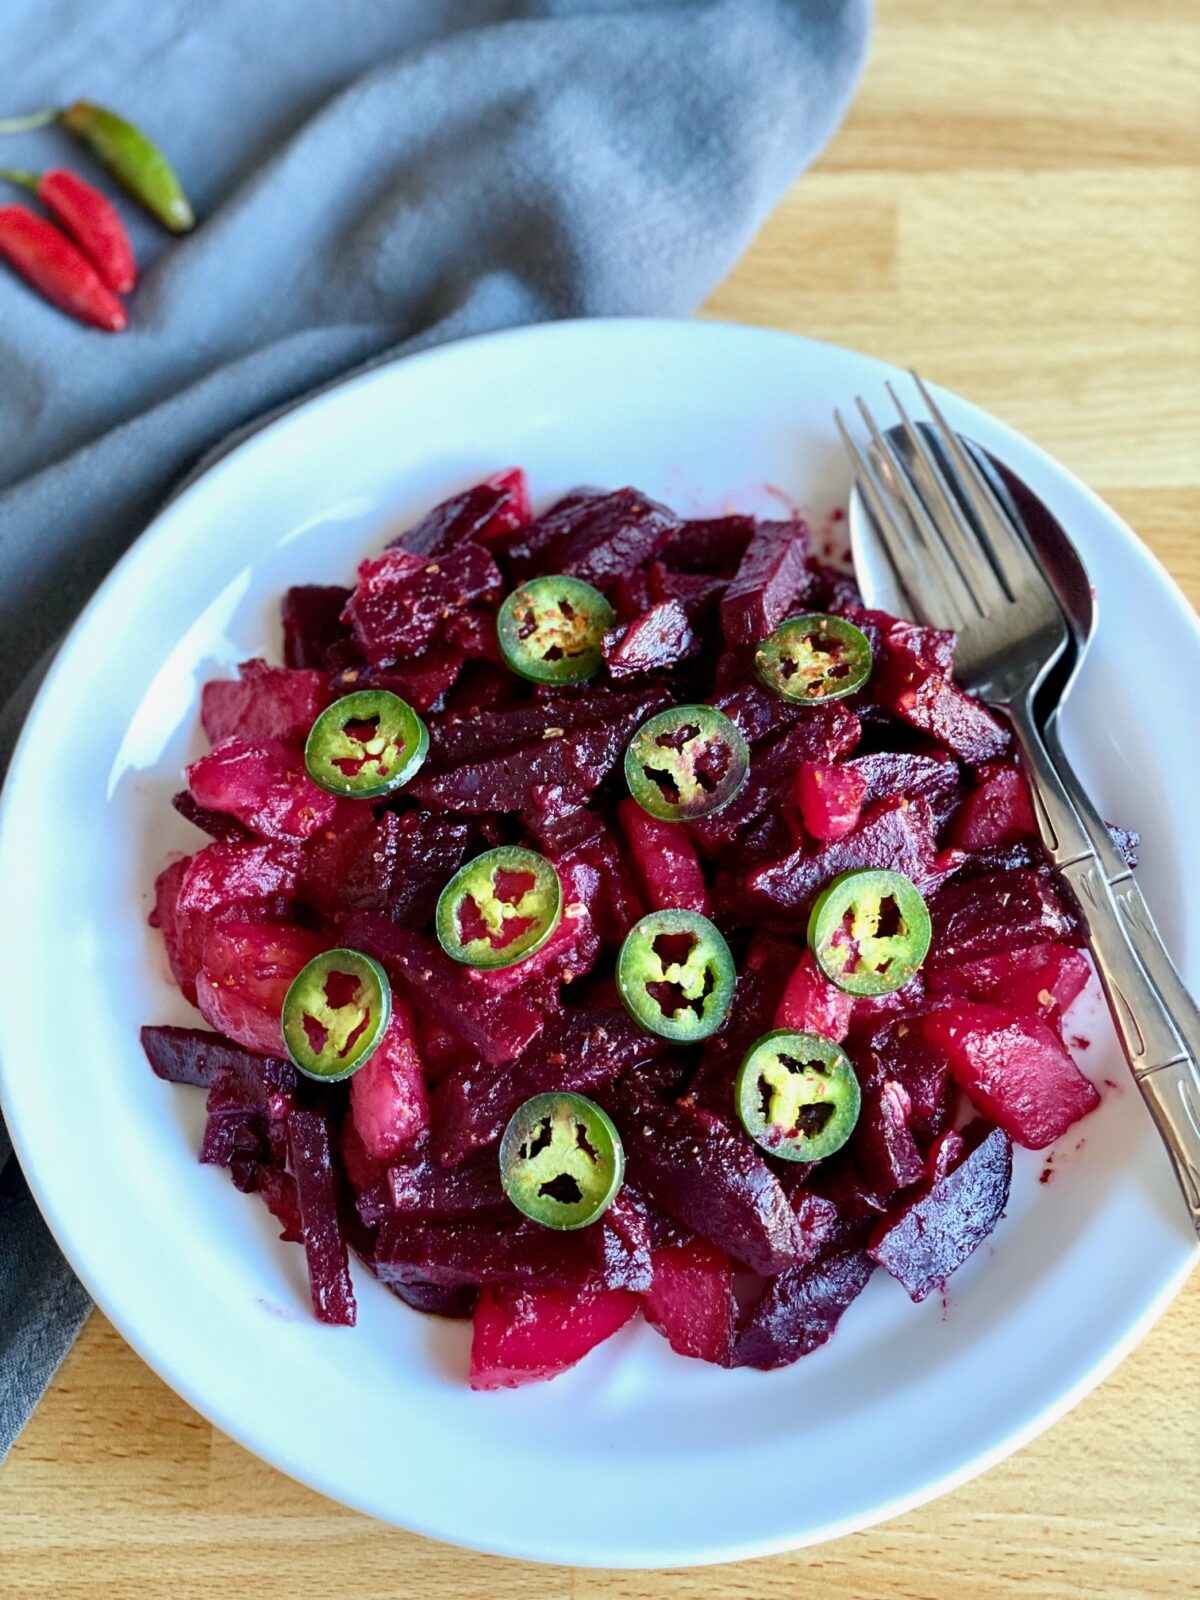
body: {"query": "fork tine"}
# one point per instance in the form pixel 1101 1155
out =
pixel 995 527
pixel 961 539
pixel 932 565
pixel 882 509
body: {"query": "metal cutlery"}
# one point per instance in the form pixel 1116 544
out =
pixel 954 546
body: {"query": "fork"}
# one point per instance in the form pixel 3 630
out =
pixel 975 574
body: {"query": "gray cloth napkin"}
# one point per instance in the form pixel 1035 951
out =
pixel 371 178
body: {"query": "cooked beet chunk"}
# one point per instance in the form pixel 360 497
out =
pixel 312 623
pixel 768 580
pixel 311 1158
pixel 402 599
pixel 457 737
pixel 263 703
pixel 883 1135
pixel 420 1187
pixel 709 1176
pixel 1001 911
pixel 934 1234
pixel 659 638
pixel 397 864
pixel 247 1110
pixel 498 1027
pixel 264 785
pixel 900 1052
pixel 577 1050
pixel 891 773
pixel 527 1335
pixel 691 1300
pixel 799 1310
pixel 1015 1070
pixel 998 811
pixel 1040 980
pixel 666 860
pixel 493 509
pixel 596 537
pixel 897 834
pixel 926 699
pixel 708 544
pixel 423 680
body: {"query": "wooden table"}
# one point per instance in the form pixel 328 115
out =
pixel 1013 205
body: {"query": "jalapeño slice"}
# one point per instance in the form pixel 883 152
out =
pixel 676 975
pixel 686 762
pixel 335 1013
pixel 797 1095
pixel 366 744
pixel 561 1160
pixel 869 930
pixel 814 658
pixel 499 908
pixel 552 629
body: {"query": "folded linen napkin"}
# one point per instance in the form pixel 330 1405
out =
pixel 370 179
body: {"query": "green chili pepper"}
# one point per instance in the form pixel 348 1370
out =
pixel 869 930
pixel 812 659
pixel 551 630
pixel 366 744
pixel 335 1013
pixel 561 1160
pixel 499 908
pixel 133 160
pixel 686 762
pixel 797 1095
pixel 676 975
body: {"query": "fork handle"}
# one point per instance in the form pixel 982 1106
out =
pixel 1135 914
pixel 1167 1072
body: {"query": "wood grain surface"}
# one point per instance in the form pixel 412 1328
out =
pixel 1013 205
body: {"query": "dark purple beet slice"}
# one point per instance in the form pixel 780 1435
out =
pixel 659 638
pixel 817 1221
pixel 216 824
pixel 499 1027
pixel 708 544
pixel 423 680
pixel 768 580
pixel 595 537
pixel 897 834
pixel 889 773
pixel 577 1050
pixel 883 1134
pixel 625 1243
pixel 195 1056
pixel 697 592
pixel 933 647
pixel 312 623
pixel 457 737
pixel 456 1301
pixel 402 599
pixel 1002 911
pixel 758 712
pixel 897 1051
pixel 490 1251
pixel 311 1159
pixel 799 1311
pixel 426 1189
pixel 934 1234
pixel 493 509
pixel 709 1176
pixel 924 698
pixel 772 769
pixel 551 777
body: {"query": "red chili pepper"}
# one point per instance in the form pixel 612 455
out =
pixel 89 217
pixel 48 260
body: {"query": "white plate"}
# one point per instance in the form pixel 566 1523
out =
pixel 637 1457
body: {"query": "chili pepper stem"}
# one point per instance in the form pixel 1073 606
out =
pixel 34 119
pixel 18 175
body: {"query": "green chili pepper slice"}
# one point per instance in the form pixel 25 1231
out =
pixel 366 744
pixel 561 1160
pixel 686 762
pixel 797 1095
pixel 552 629
pixel 335 1013
pixel 869 930
pixel 134 160
pixel 813 659
pixel 499 908
pixel 676 975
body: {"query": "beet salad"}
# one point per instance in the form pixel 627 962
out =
pixel 604 912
